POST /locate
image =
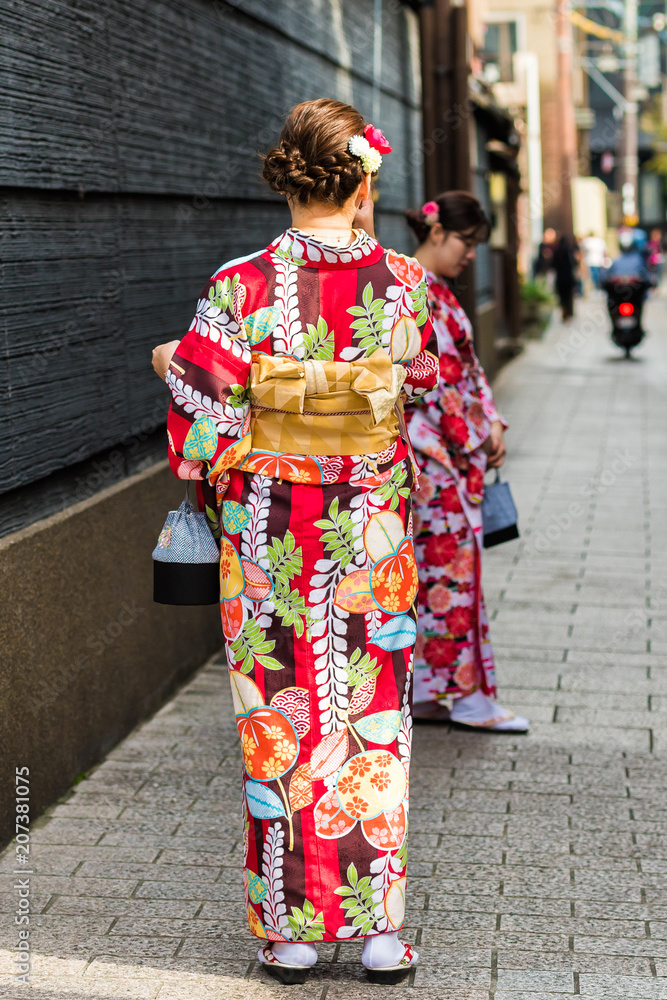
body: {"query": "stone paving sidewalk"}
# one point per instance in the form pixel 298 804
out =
pixel 538 864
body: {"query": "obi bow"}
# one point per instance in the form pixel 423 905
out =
pixel 288 384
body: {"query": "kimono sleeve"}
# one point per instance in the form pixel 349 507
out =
pixel 422 370
pixel 208 425
pixel 486 399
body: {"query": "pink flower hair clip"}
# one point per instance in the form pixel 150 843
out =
pixel 376 139
pixel 431 212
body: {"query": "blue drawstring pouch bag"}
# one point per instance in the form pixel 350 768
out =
pixel 499 515
pixel 186 559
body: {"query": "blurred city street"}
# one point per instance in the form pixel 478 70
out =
pixel 538 864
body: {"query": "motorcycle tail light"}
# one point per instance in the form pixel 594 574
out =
pixel 626 308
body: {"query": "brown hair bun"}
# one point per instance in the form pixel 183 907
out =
pixel 311 159
pixel 458 211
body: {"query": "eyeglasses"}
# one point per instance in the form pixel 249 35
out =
pixel 469 242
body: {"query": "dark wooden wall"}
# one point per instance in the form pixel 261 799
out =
pixel 129 172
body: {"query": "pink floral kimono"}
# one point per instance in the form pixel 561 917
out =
pixel 447 427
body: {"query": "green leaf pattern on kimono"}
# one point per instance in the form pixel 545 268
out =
pixel 252 645
pixel 305 924
pixel 368 324
pixel 286 562
pixel 318 342
pixel 338 537
pixel 357 903
pixel 273 905
pixel 361 669
pixel 393 489
pixel 419 296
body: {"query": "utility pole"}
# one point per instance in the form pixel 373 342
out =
pixel 568 128
pixel 629 138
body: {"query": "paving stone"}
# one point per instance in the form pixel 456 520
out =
pixel 534 982
pixel 568 961
pixel 538 864
pixel 600 987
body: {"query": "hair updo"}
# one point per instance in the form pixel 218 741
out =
pixel 311 160
pixel 458 211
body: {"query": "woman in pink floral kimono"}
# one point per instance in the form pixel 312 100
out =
pixel 457 433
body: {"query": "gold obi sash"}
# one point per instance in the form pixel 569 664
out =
pixel 325 407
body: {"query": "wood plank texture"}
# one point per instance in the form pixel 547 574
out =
pixel 166 97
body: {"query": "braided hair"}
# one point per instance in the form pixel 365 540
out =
pixel 311 160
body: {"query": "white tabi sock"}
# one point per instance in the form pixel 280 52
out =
pixel 382 951
pixel 477 708
pixel 295 952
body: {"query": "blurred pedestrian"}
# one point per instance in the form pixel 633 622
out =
pixel 457 433
pixel 656 257
pixel 594 250
pixel 564 269
pixel 543 263
pixel 286 403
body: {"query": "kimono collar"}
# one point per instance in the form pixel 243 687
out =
pixel 307 251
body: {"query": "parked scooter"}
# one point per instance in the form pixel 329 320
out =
pixel 626 283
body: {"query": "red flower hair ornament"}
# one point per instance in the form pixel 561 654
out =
pixel 376 139
pixel 369 147
pixel 431 213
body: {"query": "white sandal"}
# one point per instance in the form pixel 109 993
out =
pixel 478 704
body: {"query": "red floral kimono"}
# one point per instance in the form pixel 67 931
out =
pixel 453 654
pixel 286 399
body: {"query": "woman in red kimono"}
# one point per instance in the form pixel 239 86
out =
pixel 287 406
pixel 457 433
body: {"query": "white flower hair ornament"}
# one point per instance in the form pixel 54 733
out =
pixel 369 148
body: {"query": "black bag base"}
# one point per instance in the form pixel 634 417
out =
pixel 186 583
pixel 504 535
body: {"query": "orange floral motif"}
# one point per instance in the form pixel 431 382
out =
pixel 394 579
pixel 426 490
pixel 466 676
pixel 356 807
pixel 439 598
pixel 346 786
pixel 301 787
pixel 380 780
pixel 282 465
pixel 276 745
pixel 382 788
pixel 407 269
pixel 231 614
pixel 462 564
pixel 360 766
pixel 387 831
pixel 330 820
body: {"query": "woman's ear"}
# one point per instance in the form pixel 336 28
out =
pixel 437 234
pixel 364 192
